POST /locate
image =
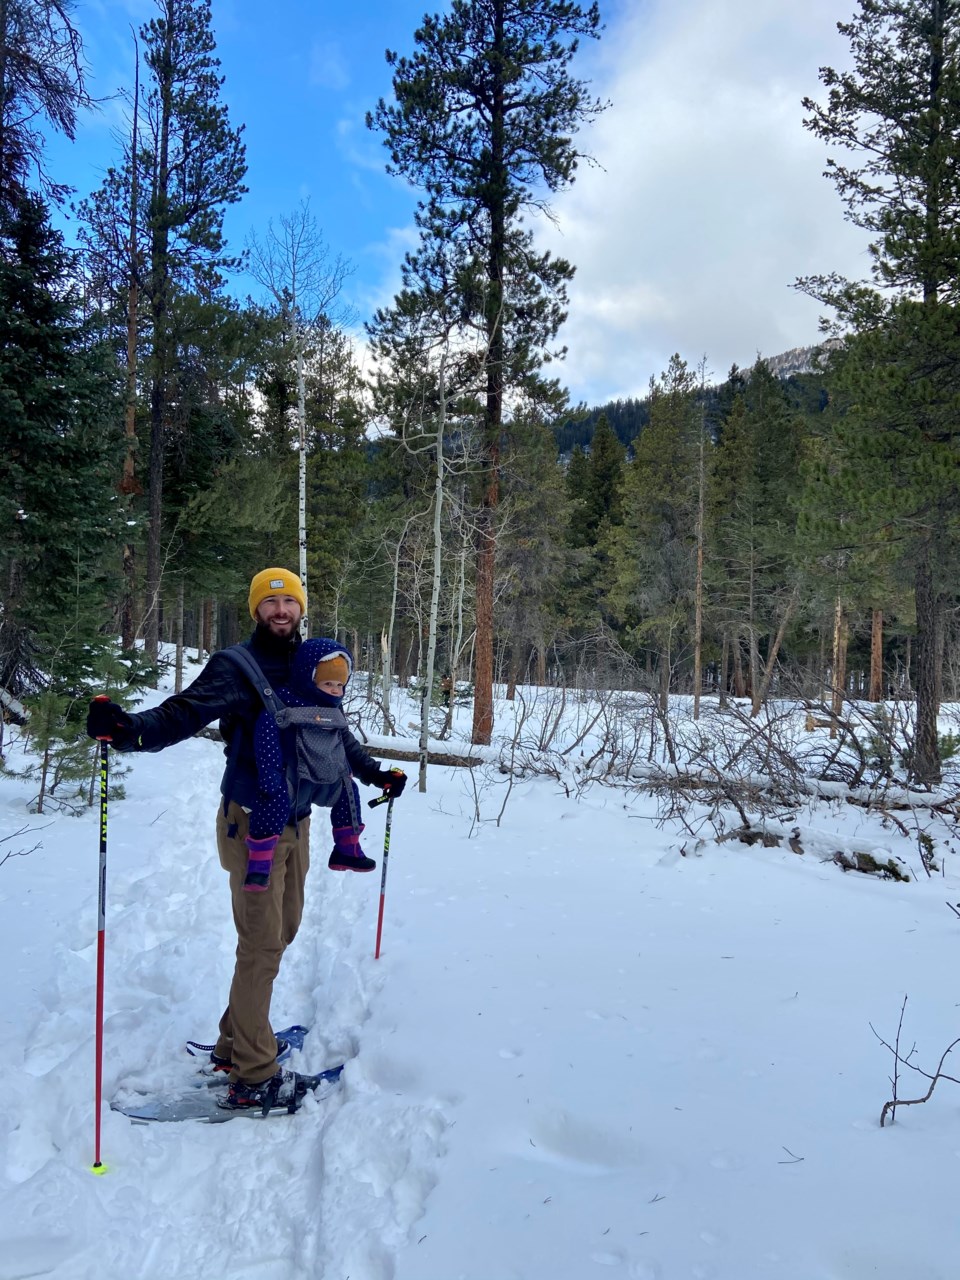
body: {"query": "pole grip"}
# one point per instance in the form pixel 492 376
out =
pixel 103 697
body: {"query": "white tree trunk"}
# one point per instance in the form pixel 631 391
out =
pixel 178 676
pixel 435 588
pixel 302 505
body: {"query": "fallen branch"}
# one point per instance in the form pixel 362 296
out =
pixel 890 1108
pixel 18 853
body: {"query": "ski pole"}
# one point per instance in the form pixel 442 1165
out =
pixel 98 1166
pixel 383 872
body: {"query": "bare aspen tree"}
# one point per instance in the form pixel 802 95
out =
pixel 839 664
pixel 178 666
pixel 386 640
pixel 427 690
pixel 298 270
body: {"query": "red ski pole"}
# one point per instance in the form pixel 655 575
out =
pixel 383 872
pixel 98 1165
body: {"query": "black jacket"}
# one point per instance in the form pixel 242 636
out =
pixel 223 692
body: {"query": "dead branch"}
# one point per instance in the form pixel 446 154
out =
pixel 890 1108
pixel 18 853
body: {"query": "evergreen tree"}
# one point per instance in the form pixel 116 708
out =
pixel 594 488
pixel 222 503
pixel 60 424
pixel 193 165
pixel 483 121
pixel 338 474
pixel 654 548
pixel 532 560
pixel 42 77
pixel 753 510
pixel 897 111
pixel 594 483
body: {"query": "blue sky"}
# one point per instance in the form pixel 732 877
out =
pixel 706 203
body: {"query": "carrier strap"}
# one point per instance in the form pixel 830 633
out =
pixel 241 657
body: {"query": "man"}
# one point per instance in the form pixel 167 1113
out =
pixel 267 921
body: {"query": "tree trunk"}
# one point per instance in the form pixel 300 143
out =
pixel 925 766
pixel 44 775
pixel 760 694
pixel 151 620
pixel 876 656
pixel 302 469
pixel 665 679
pixel 493 411
pixel 739 686
pixel 178 676
pixel 513 673
pixel 483 639
pixel 698 589
pixel 206 630
pixel 427 690
pixel 753 654
pixel 839 676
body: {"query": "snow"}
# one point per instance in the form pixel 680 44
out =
pixel 581 1053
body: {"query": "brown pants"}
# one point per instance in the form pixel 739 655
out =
pixel 266 925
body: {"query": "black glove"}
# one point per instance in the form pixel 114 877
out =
pixel 391 782
pixel 107 719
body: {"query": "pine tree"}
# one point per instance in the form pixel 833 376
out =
pixel 594 482
pixel 338 476
pixel 898 112
pixel 532 560
pixel 654 548
pixel 754 491
pixel 60 413
pixel 193 164
pixel 42 77
pixel 483 121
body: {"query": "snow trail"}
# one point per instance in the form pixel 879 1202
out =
pixel 246 1198
pixel 580 1055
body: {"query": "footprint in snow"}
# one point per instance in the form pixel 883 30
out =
pixel 557 1137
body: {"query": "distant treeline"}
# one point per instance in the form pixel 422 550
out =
pixel 806 392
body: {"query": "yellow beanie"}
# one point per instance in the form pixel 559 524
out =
pixel 334 667
pixel 276 582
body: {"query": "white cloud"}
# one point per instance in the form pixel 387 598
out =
pixel 328 66
pixel 710 199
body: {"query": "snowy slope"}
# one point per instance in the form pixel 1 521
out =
pixel 580 1054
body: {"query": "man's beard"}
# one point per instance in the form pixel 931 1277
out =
pixel 269 639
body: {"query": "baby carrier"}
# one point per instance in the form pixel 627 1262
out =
pixel 319 769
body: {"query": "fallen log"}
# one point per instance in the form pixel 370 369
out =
pixel 379 752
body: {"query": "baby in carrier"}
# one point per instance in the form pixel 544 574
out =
pixel 303 754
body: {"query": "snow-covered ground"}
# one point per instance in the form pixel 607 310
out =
pixel 580 1054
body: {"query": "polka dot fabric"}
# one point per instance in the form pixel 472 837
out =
pixel 273 749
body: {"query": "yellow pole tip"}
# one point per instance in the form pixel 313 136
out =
pixel 98 1169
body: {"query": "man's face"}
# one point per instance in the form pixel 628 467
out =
pixel 280 614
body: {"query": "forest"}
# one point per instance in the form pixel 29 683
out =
pixel 162 438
